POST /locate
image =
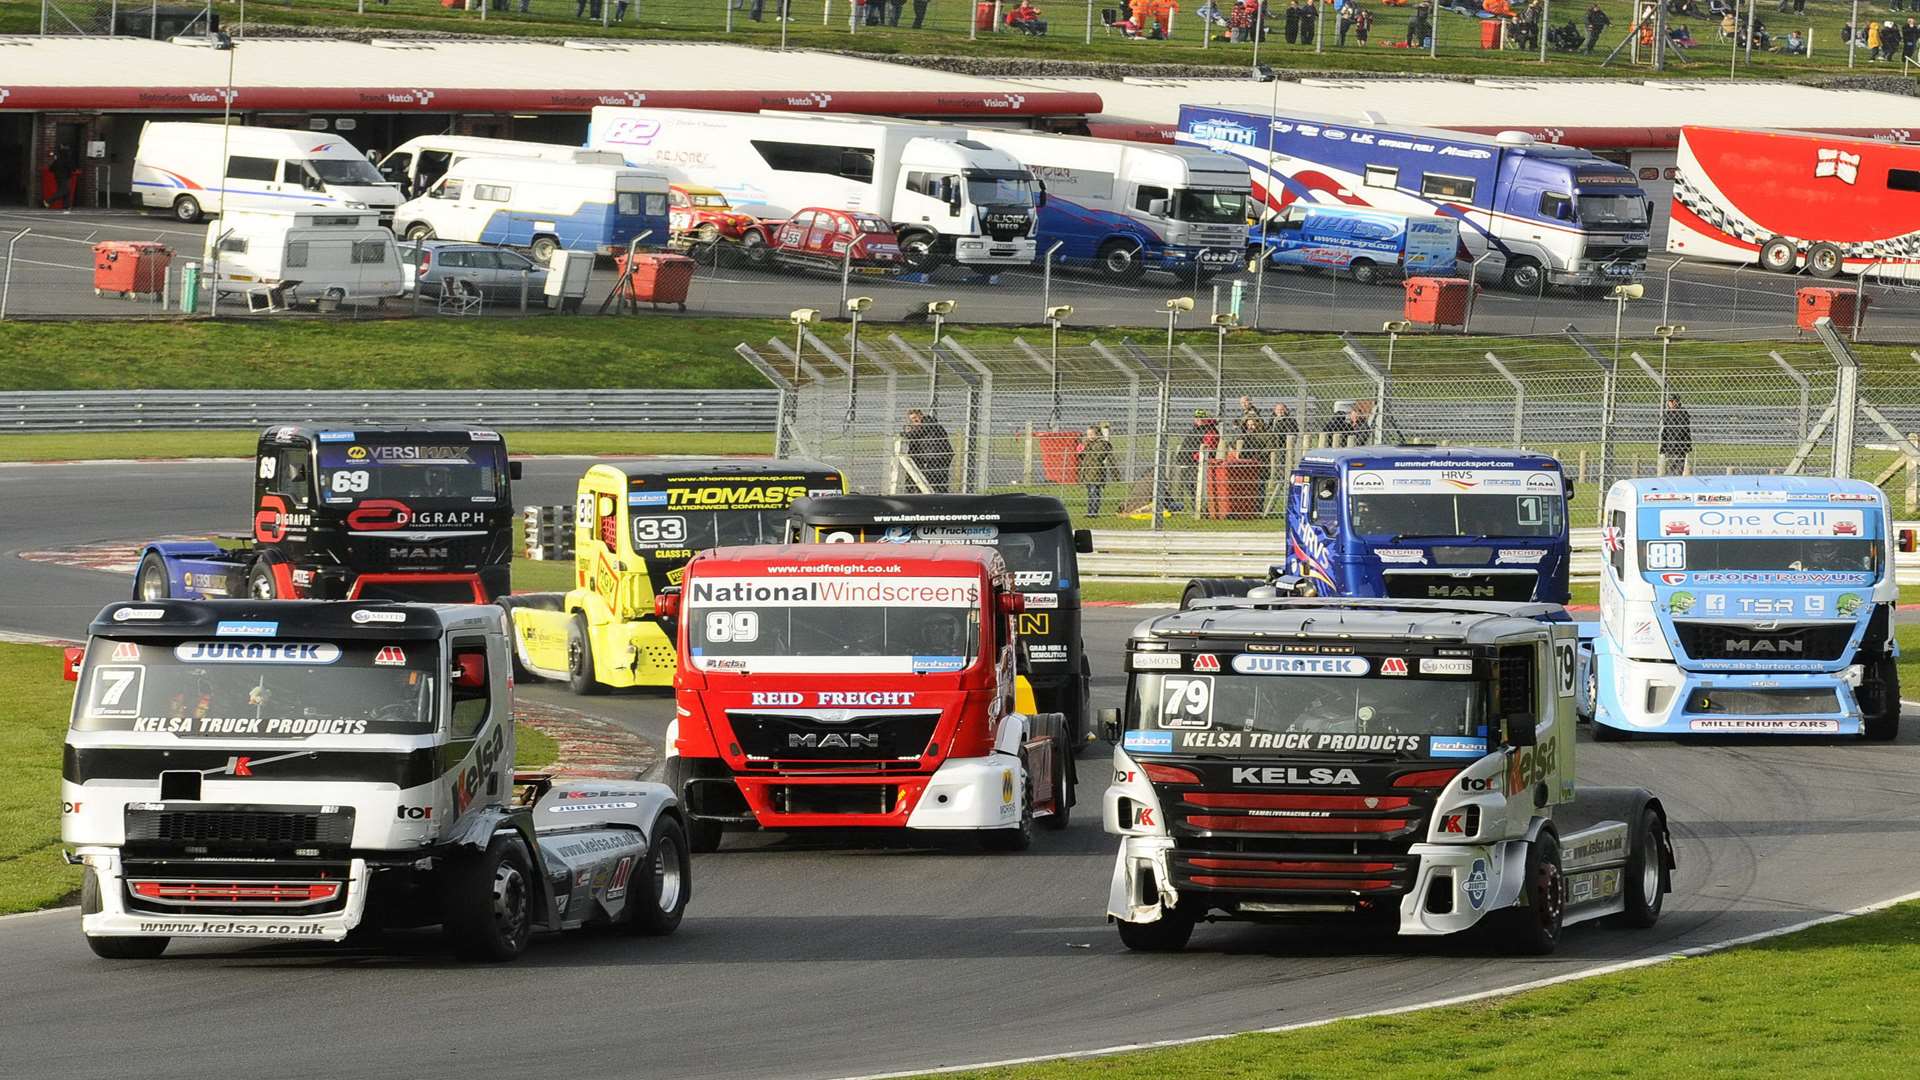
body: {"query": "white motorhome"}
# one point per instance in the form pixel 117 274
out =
pixel 949 197
pixel 194 169
pixel 543 206
pixel 1126 207
pixel 419 163
pixel 306 254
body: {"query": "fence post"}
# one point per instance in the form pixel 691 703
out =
pixel 1365 362
pixel 1609 381
pixel 783 435
pixel 1798 380
pixel 984 408
pixel 1302 399
pixel 1519 398
pixel 1162 422
pixel 1846 395
pixel 1212 371
pixel 1133 400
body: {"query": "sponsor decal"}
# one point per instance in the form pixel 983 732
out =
pixel 1852 496
pixel 1796 521
pixel 1756 725
pixel 923 665
pixel 1203 662
pixel 725 496
pixel 1457 746
pixel 445 455
pixel 413 813
pixel 390 656
pixel 1036 579
pixel 1848 605
pixel 364 617
pixel 1521 556
pixel 1673 579
pixel 1251 664
pixel 386 515
pixel 1400 555
pixel 1032 624
pixel 1395 665
pixel 356 453
pixel 646 498
pixel 1325 742
pixel 1159 742
pixel 1294 776
pixel 1430 666
pixel 779 697
pixel 126 650
pixel 1665 497
pixel 484 436
pixel 246 628
pixel 139 614
pixel 336 436
pixel 580 808
pixel 1476 884
pixel 836 592
pixel 617 888
pixel 1045 600
pixel 1815 605
pixel 1680 603
pixel 256 652
pixel 1156 661
pixel 1006 786
pixel 1366 481
pixel 864 698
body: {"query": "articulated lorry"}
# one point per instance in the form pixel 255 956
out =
pixel 1745 605
pixel 1407 763
pixel 858 685
pixel 1431 523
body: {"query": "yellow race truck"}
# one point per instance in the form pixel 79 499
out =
pixel 635 525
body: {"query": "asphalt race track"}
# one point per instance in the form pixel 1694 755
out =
pixel 837 955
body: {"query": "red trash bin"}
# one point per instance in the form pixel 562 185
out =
pixel 657 279
pixel 1058 461
pixel 130 268
pixel 1233 487
pixel 1438 301
pixel 983 18
pixel 1814 302
pixel 1490 34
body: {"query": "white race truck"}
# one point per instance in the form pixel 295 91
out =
pixel 1405 760
pixel 296 769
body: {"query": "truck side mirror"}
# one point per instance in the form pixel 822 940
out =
pixel 1649 210
pixel 514 469
pixel 1040 199
pixel 70 667
pixel 470 670
pixel 1110 725
pixel 1083 541
pixel 1012 603
pixel 666 603
pixel 1157 207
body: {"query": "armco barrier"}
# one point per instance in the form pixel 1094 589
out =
pixel 163 410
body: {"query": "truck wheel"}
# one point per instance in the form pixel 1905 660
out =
pixel 668 882
pixel 1779 255
pixel 1169 933
pixel 1533 927
pixel 1120 260
pixel 260 583
pixel 1593 696
pixel 703 837
pixel 1020 837
pixel 1646 875
pixel 1825 260
pixel 186 210
pixel 1062 815
pixel 916 250
pixel 543 249
pixel 1363 271
pixel 115 948
pixel 1523 275
pixel 487 902
pixel 151 582
pixel 1880 701
pixel 580 678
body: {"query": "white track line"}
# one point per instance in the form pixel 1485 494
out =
pixel 1462 999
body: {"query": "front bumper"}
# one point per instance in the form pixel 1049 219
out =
pixel 981 251
pixel 1596 276
pixel 1659 697
pixel 114 919
pixel 963 793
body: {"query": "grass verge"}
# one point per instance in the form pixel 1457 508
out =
pixel 32 729
pixel 91 446
pixel 1853 982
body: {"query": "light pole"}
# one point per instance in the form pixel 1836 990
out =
pixel 937 310
pixel 1056 315
pixel 1621 294
pixel 855 306
pixel 1174 307
pixel 1665 334
pixel 1222 323
pixel 801 318
pixel 1393 331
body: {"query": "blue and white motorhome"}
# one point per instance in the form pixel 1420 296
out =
pixel 1125 207
pixel 1745 605
pixel 1548 215
pixel 543 206
pixel 1368 244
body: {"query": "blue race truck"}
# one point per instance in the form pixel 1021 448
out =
pixel 1367 244
pixel 1744 605
pixel 1427 523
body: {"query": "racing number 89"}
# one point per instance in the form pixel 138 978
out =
pixel 733 625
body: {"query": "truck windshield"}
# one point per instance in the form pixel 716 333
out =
pixel 1788 554
pixel 426 469
pixel 999 187
pixel 1210 207
pixel 1306 705
pixel 882 625
pixel 237 688
pixel 1437 514
pixel 345 171
pixel 1613 210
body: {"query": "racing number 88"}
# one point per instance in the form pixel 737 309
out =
pixel 733 626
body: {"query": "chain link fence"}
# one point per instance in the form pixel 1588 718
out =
pixel 1224 421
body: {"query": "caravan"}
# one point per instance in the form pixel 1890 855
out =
pixel 418 164
pixel 178 167
pixel 306 254
pixel 544 206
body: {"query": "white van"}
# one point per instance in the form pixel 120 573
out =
pixel 543 206
pixel 305 254
pixel 418 164
pixel 178 168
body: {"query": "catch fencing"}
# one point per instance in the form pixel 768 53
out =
pixel 177 410
pixel 1017 418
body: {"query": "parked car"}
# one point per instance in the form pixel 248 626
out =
pixel 428 264
pixel 702 215
pixel 818 238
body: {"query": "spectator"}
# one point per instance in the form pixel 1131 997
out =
pixel 1420 27
pixel 893 12
pixel 1909 38
pixel 1872 42
pixel 1729 27
pixel 1096 465
pixel 919 12
pixel 1196 446
pixel 1240 21
pixel 1889 41
pixel 1339 427
pixel 1309 22
pixel 620 11
pixel 1676 437
pixel 1283 426
pixel 876 11
pixel 1362 25
pixel 1597 23
pixel 1293 23
pixel 1794 45
pixel 758 6
pixel 1347 11
pixel 929 448
pixel 1026 18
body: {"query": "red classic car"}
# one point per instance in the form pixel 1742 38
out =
pixel 822 239
pixel 701 215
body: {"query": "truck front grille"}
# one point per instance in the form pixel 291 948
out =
pixel 1733 641
pixel 240 828
pixel 1459 585
pixel 827 736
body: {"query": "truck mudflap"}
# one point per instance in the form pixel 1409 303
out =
pixel 1660 697
pixel 114 919
pixel 1142 889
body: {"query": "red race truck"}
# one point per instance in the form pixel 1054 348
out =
pixel 852 685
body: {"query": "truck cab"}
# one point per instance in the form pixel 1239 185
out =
pixel 1745 605
pixel 1452 523
pixel 399 513
pixel 294 770
pixel 858 685
pixel 635 526
pixel 1404 761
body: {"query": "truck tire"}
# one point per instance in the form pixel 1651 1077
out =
pixel 667 882
pixel 260 583
pixel 1523 275
pixel 703 837
pixel 1779 255
pixel 418 231
pixel 115 948
pixel 1169 933
pixel 151 582
pixel 1532 928
pixel 580 677
pixel 1880 701
pixel 487 901
pixel 1020 837
pixel 543 248
pixel 1825 260
pixel 1211 588
pixel 1062 815
pixel 917 250
pixel 1646 884
pixel 186 210
pixel 1119 260
pixel 1364 271
pixel 1593 697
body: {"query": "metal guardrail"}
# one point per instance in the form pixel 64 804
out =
pixel 162 410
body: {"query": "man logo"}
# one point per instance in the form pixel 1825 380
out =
pixel 1034 624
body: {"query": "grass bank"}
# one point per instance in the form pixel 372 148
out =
pixel 32 729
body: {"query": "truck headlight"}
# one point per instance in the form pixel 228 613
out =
pixel 351 205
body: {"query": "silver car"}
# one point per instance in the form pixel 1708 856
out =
pixel 497 272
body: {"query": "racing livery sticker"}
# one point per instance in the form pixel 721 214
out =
pixel 1266 664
